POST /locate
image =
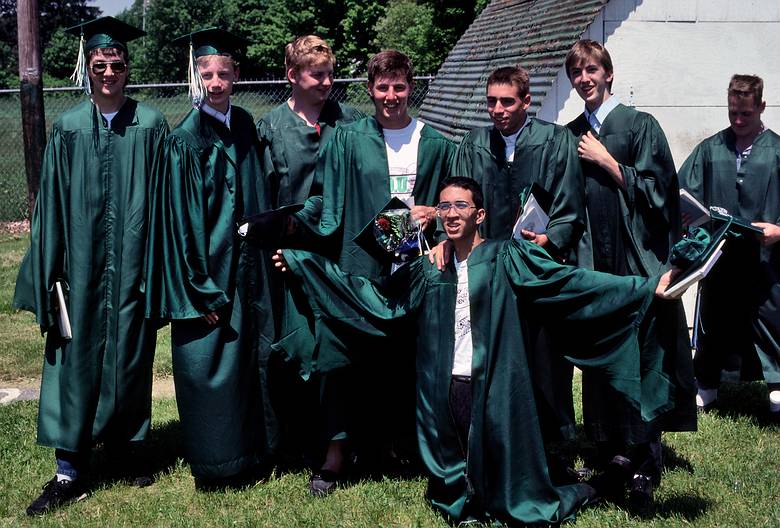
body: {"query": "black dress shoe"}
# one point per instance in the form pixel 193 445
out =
pixel 57 494
pixel 611 483
pixel 640 493
pixel 323 483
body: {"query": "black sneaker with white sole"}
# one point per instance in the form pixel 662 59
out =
pixel 57 494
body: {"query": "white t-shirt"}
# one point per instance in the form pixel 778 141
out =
pixel 511 140
pixel 401 145
pixel 461 363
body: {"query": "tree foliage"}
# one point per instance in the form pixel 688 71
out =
pixel 54 15
pixel 424 29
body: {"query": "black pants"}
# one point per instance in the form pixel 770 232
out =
pixel 460 407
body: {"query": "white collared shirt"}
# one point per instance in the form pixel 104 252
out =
pixel 511 140
pixel 596 119
pixel 216 114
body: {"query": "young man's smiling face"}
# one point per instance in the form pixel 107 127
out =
pixel 390 94
pixel 745 116
pixel 591 82
pixel 459 222
pixel 218 73
pixel 111 67
pixel 312 82
pixel 507 109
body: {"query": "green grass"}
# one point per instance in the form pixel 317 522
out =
pixel 21 343
pixel 725 475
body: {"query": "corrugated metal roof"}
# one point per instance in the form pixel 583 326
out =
pixel 536 34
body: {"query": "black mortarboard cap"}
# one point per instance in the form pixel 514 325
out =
pixel 391 235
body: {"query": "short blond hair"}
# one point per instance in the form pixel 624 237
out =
pixel 222 57
pixel 307 50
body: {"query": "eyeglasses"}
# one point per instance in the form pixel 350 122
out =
pixel 99 68
pixel 460 206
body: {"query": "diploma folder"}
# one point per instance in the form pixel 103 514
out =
pixel 697 271
pixel 63 319
pixel 534 214
pixel 693 208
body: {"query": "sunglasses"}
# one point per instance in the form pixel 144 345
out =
pixel 99 68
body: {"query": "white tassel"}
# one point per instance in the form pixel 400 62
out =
pixel 197 88
pixel 80 75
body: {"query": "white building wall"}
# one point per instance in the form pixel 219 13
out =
pixel 674 59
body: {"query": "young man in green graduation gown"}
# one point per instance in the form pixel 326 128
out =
pixel 389 154
pixel 88 237
pixel 477 423
pixel 296 130
pixel 198 276
pixel 294 133
pixel 516 152
pixel 632 199
pixel 738 169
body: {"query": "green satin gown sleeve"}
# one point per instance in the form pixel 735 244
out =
pixel 190 271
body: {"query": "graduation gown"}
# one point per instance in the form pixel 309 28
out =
pixel 547 155
pixel 513 286
pixel 739 318
pixel 631 231
pixel 544 154
pixel 355 182
pixel 89 231
pixel 295 147
pixel 206 181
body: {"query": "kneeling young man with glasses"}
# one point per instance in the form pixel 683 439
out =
pixel 478 427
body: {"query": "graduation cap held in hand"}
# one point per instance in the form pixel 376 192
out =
pixel 265 229
pixel 392 236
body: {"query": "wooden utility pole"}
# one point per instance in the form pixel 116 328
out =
pixel 31 95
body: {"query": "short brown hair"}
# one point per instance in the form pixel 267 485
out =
pixel 307 50
pixel 119 52
pixel 513 75
pixel 747 86
pixel 588 49
pixel 390 62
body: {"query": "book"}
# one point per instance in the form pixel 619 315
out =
pixel 63 319
pixel 533 216
pixel 694 209
pixel 696 272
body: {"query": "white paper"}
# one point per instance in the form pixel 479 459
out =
pixel 63 319
pixel 533 219
pixel 693 208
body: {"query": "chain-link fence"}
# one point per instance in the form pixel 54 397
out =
pixel 258 97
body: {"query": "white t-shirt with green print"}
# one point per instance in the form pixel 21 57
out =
pixel 401 145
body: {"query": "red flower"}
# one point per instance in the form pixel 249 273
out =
pixel 383 224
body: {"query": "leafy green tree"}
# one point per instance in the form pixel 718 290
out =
pixel 359 35
pixel 408 27
pixel 53 15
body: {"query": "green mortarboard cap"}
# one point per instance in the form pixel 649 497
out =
pixel 106 32
pixel 103 32
pixel 212 41
pixel 391 235
pixel 209 41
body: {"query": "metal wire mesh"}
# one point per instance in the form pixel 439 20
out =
pixel 258 97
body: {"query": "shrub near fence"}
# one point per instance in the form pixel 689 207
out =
pixel 258 97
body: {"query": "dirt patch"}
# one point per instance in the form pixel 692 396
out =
pixel 16 228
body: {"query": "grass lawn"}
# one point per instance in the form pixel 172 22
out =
pixel 726 475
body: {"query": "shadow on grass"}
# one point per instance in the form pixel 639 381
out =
pixel 154 457
pixel 748 400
